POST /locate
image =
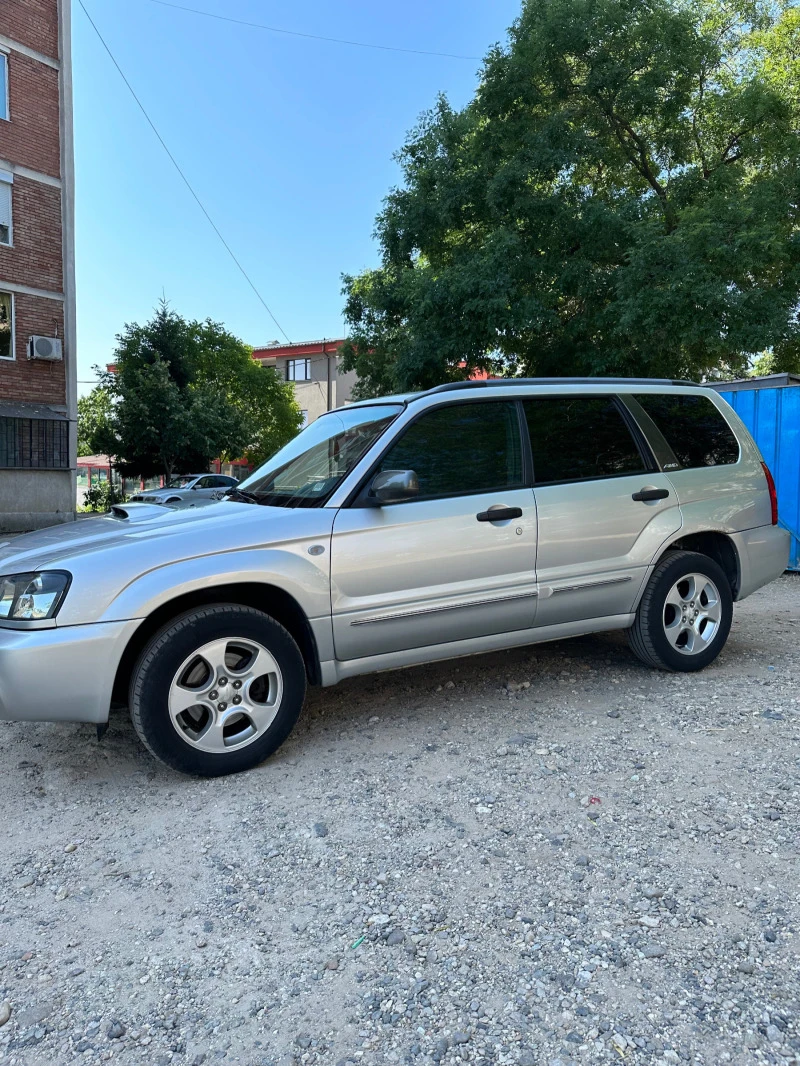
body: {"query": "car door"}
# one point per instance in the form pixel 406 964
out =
pixel 604 509
pixel 439 568
pixel 205 487
pixel 220 484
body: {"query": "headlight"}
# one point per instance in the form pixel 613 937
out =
pixel 25 597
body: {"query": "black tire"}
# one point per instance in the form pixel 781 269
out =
pixel 171 646
pixel 647 636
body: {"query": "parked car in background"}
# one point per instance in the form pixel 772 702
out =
pixel 188 488
pixel 470 518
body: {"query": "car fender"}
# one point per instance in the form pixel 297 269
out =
pixel 306 578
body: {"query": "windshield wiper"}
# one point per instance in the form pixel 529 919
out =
pixel 241 494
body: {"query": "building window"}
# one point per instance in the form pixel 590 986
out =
pixel 34 443
pixel 6 325
pixel 3 85
pixel 6 187
pixel 298 370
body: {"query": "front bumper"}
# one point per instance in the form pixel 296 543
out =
pixel 763 555
pixel 62 674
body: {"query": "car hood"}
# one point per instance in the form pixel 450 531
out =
pixel 189 532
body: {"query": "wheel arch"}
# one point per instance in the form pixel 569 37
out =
pixel 717 546
pixel 270 599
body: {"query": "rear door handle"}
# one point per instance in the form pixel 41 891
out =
pixel 643 495
pixel 499 514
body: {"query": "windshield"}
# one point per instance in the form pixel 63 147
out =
pixel 182 482
pixel 308 469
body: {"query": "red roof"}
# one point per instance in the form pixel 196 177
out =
pixel 296 350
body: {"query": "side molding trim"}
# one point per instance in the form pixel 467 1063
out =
pixel 437 610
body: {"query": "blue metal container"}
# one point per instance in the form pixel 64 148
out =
pixel 773 417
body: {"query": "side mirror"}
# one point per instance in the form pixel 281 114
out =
pixel 394 486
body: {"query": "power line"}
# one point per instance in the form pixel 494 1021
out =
pixel 186 181
pixel 311 36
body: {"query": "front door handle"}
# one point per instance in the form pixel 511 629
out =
pixel 643 495
pixel 499 514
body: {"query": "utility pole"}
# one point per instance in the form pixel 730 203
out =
pixel 330 380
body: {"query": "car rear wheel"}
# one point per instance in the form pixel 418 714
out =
pixel 685 614
pixel 217 690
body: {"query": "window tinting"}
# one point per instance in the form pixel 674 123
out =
pixel 580 437
pixel 694 429
pixel 31 443
pixel 461 448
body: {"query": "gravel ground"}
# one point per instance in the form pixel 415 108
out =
pixel 547 856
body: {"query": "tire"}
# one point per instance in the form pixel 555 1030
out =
pixel 217 690
pixel 682 624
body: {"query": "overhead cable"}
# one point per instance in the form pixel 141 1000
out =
pixel 185 180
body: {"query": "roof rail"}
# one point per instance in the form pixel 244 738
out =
pixel 457 386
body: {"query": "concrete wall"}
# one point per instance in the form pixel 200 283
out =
pixel 31 499
pixel 312 395
pixel 344 387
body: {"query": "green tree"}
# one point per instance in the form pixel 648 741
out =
pixel 185 393
pixel 264 400
pixel 622 196
pixel 95 433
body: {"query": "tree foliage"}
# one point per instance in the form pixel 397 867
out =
pixel 621 196
pixel 94 422
pixel 183 393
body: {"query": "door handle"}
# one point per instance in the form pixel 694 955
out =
pixel 643 495
pixel 499 514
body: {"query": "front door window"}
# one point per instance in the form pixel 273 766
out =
pixel 461 448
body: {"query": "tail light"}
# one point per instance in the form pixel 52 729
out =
pixel 773 495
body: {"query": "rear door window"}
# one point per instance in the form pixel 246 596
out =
pixel 577 438
pixel 693 427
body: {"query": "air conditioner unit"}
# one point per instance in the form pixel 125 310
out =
pixel 45 348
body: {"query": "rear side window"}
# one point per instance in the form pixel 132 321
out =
pixel 694 429
pixel 461 448
pixel 580 437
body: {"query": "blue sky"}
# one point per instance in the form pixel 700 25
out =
pixel 287 141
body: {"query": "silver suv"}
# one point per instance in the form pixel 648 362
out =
pixel 469 518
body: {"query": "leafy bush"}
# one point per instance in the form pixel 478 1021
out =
pixel 101 498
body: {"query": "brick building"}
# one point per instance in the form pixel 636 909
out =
pixel 38 386
pixel 312 367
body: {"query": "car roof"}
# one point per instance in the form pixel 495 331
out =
pixel 540 384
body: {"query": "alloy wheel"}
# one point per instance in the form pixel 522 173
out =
pixel 225 695
pixel 692 614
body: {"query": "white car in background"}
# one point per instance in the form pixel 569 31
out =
pixel 189 489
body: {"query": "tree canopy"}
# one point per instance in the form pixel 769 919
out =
pixel 94 415
pixel 182 393
pixel 621 196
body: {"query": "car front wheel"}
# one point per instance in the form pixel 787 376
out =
pixel 217 690
pixel 685 613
